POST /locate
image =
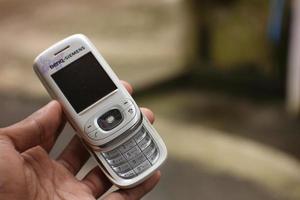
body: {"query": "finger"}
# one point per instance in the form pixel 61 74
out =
pixel 41 128
pixel 127 86
pixel 149 114
pixel 136 192
pixel 74 155
pixel 96 182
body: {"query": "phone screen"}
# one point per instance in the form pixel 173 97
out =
pixel 83 82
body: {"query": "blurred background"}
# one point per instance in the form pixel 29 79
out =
pixel 222 76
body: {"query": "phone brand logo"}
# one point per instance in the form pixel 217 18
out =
pixel 55 64
pixel 68 56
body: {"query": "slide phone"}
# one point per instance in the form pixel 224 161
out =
pixel 104 115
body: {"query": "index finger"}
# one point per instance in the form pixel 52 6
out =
pixel 127 86
pixel 40 128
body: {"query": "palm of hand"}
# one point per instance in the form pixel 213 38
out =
pixel 28 173
pixel 36 176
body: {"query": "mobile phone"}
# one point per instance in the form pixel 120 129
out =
pixel 104 115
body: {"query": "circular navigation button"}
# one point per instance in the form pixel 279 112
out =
pixel 110 119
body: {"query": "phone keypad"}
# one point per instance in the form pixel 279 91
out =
pixel 134 156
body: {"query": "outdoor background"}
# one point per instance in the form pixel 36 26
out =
pixel 213 72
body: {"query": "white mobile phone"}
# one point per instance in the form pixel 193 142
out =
pixel 104 115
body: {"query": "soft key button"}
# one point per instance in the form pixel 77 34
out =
pixel 89 126
pixel 130 112
pixel 95 135
pixel 126 103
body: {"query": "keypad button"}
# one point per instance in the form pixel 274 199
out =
pixel 122 168
pixel 116 161
pixel 132 153
pixel 127 145
pixel 142 167
pixel 153 157
pixel 128 174
pixel 145 142
pixel 90 126
pixel 140 135
pixel 111 154
pixel 137 160
pixel 95 135
pixel 150 149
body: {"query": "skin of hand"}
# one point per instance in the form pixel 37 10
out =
pixel 28 173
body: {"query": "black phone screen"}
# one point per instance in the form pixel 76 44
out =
pixel 83 82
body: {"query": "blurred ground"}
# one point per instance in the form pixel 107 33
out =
pixel 220 146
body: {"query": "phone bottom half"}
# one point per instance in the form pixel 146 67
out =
pixel 133 161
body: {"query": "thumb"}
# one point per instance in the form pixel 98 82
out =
pixel 40 128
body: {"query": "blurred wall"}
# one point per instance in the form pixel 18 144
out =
pixel 134 36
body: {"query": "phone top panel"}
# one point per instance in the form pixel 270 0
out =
pixel 73 68
pixel 75 74
pixel 83 82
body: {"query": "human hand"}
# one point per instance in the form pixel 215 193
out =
pixel 28 173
